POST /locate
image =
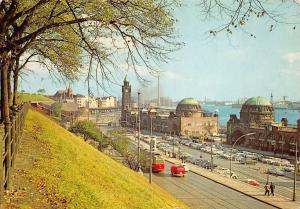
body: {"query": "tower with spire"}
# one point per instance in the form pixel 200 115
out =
pixel 126 99
pixel 271 98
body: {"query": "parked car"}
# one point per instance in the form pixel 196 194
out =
pixel 197 161
pixel 186 168
pixel 222 170
pixel 233 175
pixel 193 145
pixel 248 162
pixel 288 169
pixel 189 159
pixel 275 171
pixel 252 182
pixel 208 165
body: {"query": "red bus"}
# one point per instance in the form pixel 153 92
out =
pixel 158 163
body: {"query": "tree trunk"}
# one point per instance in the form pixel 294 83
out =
pixel 16 82
pixel 5 89
pixel 1 100
pixel 9 83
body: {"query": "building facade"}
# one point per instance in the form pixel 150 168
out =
pixel 107 102
pixel 85 101
pixel 257 116
pixel 188 119
pixel 64 95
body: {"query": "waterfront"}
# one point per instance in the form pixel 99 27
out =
pixel 225 111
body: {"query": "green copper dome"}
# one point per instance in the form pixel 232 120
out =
pixel 189 101
pixel 258 101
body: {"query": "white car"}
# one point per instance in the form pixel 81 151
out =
pixel 233 175
pixel 186 168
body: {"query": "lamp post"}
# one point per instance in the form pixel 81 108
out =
pixel 211 156
pixel 295 171
pixel 173 144
pixel 230 167
pixel 139 130
pixel 151 142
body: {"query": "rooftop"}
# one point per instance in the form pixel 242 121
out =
pixel 189 101
pixel 259 101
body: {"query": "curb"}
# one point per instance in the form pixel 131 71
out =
pixel 231 187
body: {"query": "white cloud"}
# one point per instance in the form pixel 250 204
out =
pixel 292 57
pixel 291 72
pixel 171 75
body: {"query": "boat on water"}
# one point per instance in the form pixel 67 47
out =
pixel 236 105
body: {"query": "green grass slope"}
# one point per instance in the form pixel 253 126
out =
pixel 26 97
pixel 72 174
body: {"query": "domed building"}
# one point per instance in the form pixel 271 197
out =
pixel 188 107
pixel 188 119
pixel 257 128
pixel 257 110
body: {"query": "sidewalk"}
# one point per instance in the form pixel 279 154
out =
pixel 252 191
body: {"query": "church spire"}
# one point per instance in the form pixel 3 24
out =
pixel 271 98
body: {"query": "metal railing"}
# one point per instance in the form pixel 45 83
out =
pixel 9 145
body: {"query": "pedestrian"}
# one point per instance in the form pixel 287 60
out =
pixel 272 187
pixel 267 189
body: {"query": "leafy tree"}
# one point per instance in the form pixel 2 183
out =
pixel 89 130
pixel 41 91
pixel 40 28
pixel 236 14
pixel 56 107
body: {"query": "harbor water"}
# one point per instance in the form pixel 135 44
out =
pixel 225 112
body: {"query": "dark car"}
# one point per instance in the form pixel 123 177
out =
pixel 275 171
pixel 208 165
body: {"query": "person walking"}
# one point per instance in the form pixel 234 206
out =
pixel 267 189
pixel 272 187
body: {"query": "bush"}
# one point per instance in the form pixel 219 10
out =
pixel 89 130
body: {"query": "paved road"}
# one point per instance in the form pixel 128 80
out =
pixel 284 185
pixel 199 192
pixel 193 197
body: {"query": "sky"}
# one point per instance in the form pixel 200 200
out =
pixel 224 67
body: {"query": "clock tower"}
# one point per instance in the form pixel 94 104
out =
pixel 126 100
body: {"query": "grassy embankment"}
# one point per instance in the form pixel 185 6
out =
pixel 25 97
pixel 62 171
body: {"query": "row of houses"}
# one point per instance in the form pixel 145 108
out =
pixel 67 96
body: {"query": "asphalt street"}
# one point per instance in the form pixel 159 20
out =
pixel 284 185
pixel 199 192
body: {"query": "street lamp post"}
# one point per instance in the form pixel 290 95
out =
pixel 173 144
pixel 179 151
pixel 211 156
pixel 295 171
pixel 139 130
pixel 150 170
pixel 230 166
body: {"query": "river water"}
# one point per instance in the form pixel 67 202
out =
pixel 225 112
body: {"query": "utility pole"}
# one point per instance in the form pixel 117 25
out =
pixel 139 129
pixel 295 171
pixel 88 106
pixel 151 144
pixel 211 156
pixel 173 144
pixel 158 95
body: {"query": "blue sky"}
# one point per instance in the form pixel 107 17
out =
pixel 225 67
